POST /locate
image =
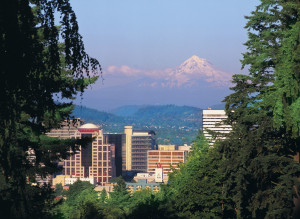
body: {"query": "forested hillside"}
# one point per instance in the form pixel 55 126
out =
pixel 172 124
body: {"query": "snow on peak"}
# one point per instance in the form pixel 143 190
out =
pixel 196 59
pixel 195 65
pixel 195 69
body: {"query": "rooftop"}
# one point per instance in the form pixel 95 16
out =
pixel 89 127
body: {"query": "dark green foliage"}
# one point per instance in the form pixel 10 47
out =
pixel 103 196
pixel 196 190
pixel 120 187
pixel 261 175
pixel 119 199
pixel 81 202
pixel 59 190
pixel 145 204
pixel 77 188
pixel 40 64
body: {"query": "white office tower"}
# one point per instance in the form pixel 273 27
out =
pixel 213 120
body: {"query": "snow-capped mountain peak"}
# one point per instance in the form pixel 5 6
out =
pixel 194 70
pixel 194 64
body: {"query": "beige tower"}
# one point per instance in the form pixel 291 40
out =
pixel 96 160
pixel 128 147
pixel 138 142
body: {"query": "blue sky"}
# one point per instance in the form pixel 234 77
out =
pixel 157 34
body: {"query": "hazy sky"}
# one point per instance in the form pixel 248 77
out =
pixel 164 33
pixel 157 34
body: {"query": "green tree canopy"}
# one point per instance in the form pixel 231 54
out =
pixel 82 202
pixel 43 67
pixel 195 190
pixel 260 172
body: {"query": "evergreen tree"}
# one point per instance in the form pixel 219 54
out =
pixel 196 189
pixel 103 196
pixel 260 172
pixel 82 202
pixel 40 64
pixel 118 203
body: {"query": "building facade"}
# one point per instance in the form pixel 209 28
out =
pixel 67 130
pixel 170 147
pixel 96 160
pixel 137 144
pixel 213 120
pixel 166 160
pixel 143 184
pixel 119 141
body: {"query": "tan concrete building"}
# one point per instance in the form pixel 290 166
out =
pixel 163 147
pixel 67 130
pixel 166 159
pixel 184 148
pixel 96 160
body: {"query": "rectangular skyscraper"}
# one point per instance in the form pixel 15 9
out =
pixel 96 160
pixel 213 120
pixel 138 142
pixel 119 141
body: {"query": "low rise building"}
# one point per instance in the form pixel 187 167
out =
pixel 187 148
pixel 66 180
pixel 142 184
pixel 162 147
pixel 148 176
pixel 72 180
pixel 167 160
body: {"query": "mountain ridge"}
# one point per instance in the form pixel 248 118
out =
pixel 173 124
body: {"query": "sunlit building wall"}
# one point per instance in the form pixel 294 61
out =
pixel 96 160
pixel 67 129
pixel 167 159
pixel 213 120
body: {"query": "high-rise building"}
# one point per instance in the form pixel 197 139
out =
pixel 213 120
pixel 96 160
pixel 119 141
pixel 137 143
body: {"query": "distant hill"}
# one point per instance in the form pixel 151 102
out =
pixel 172 124
pixel 95 116
pixel 126 111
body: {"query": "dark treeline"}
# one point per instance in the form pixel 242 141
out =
pixel 253 173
